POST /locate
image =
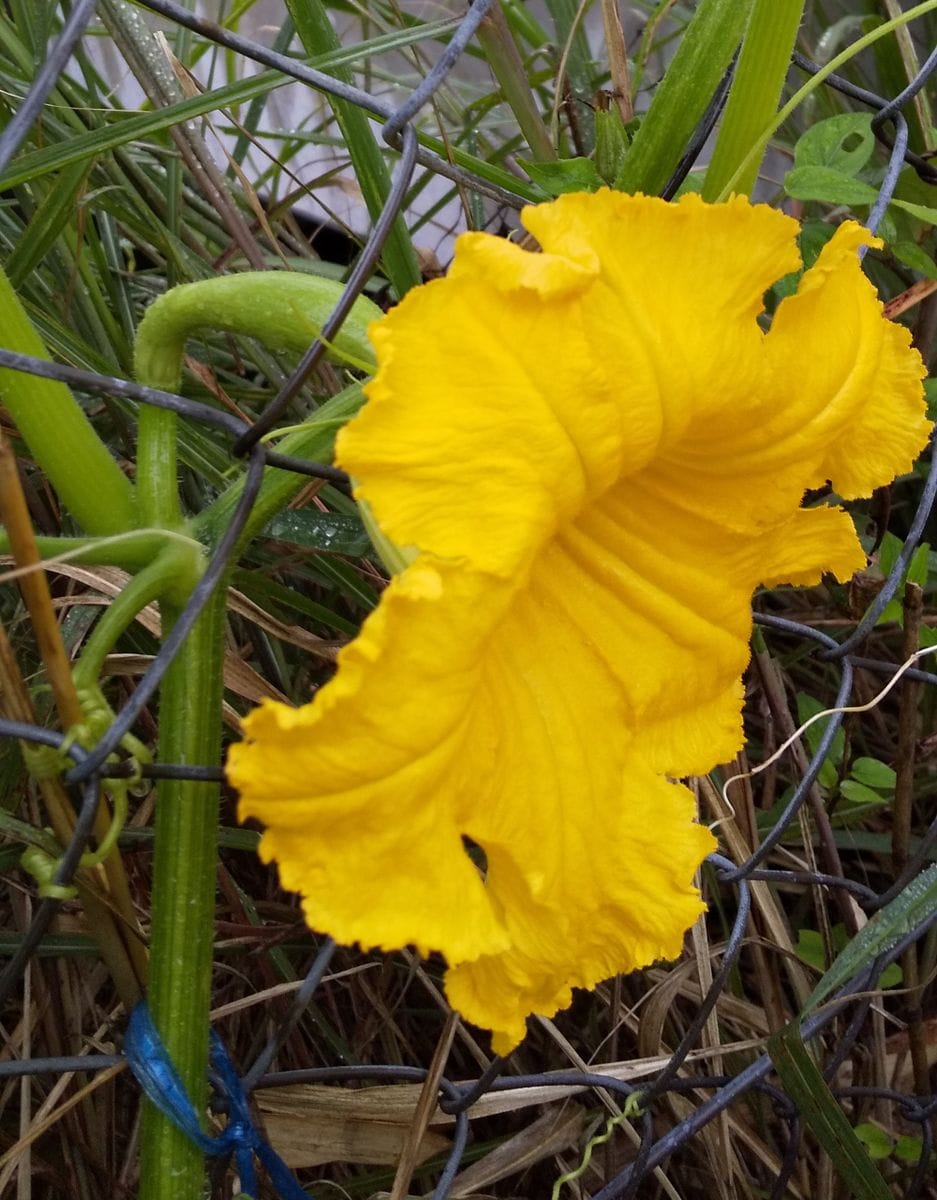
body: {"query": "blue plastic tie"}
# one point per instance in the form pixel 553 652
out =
pixel 147 1058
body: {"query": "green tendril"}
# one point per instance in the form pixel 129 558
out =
pixel 42 867
pixel 632 1109
pixel 45 762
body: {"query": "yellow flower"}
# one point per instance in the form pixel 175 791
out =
pixel 599 454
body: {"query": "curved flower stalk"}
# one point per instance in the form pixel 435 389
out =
pixel 599 454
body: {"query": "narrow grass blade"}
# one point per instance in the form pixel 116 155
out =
pixel 910 908
pixel 318 37
pixel 823 1116
pixel 705 51
pixel 760 74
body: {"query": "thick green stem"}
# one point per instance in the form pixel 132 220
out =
pixel 59 436
pixel 762 68
pixel 181 937
pixel 704 54
pixel 158 467
pixel 318 37
pixel 284 310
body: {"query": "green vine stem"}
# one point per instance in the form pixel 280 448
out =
pixel 184 872
pixel 171 576
pixel 59 436
pixel 286 312
pixel 762 68
pixel 132 550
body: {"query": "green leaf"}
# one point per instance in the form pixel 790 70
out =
pixel 888 552
pixel 53 945
pixel 910 907
pixel 916 573
pixel 330 532
pixel 915 257
pixel 564 175
pixel 761 69
pixel 345 578
pixel 808 707
pixel 823 1116
pixel 909 1149
pixel 873 774
pixel 46 224
pixel 827 185
pixel 858 793
pixel 612 140
pixel 809 949
pixel 843 143
pixel 921 211
pixel 876 1141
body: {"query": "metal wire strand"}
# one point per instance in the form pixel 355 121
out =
pixel 313 978
pixel 727 966
pixel 897 573
pixel 52 67
pixel 426 88
pixel 363 269
pixel 71 855
pixel 193 410
pixel 803 787
pixel 295 69
pixel 924 169
pixel 16 1068
pixel 201 594
pixel 703 130
pixel 812 878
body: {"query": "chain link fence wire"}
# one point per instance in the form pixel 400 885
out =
pixel 851 1002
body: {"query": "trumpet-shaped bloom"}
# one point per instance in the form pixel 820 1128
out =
pixel 598 454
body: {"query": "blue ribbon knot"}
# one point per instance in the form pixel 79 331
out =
pixel 147 1058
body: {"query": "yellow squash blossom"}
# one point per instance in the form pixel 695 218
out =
pixel 598 454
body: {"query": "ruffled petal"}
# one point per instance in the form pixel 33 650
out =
pixel 851 381
pixel 623 900
pixel 677 301
pixel 489 418
pixel 368 793
pixel 508 268
pixel 355 789
pixel 671 617
pixel 591 856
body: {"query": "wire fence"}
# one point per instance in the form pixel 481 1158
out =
pixel 851 1002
